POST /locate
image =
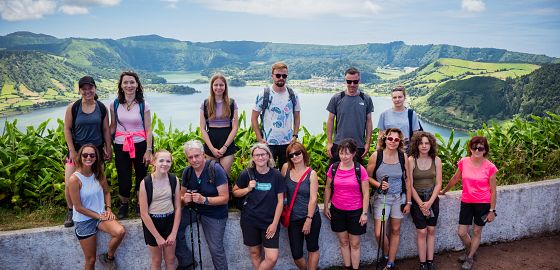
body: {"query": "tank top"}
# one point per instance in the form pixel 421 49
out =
pixel 424 179
pixel 394 171
pixel 299 210
pixel 87 128
pixel 161 198
pixel 91 196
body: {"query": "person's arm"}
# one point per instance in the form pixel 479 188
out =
pixel 312 206
pixel 148 128
pixel 327 197
pixel 408 186
pixel 177 215
pixel 271 230
pixel 244 185
pixel 68 119
pixel 369 128
pixel 330 124
pixel 255 126
pixel 297 116
pixel 452 182
pixel 439 181
pixel 206 137
pixel 74 187
pixel 232 133
pixel 145 216
pixel 493 196
pixel 223 190
pixel 409 172
pixel 113 122
pixel 370 167
pixel 107 149
pixel 365 202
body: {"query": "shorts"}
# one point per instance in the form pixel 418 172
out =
pixel 253 236
pixel 393 204
pixel 473 212
pixel 347 220
pixel 296 236
pixel 87 228
pixel 163 224
pixel 421 221
pixel 70 162
pixel 218 137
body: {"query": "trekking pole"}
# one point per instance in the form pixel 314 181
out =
pixel 382 229
pixel 190 207
pixel 197 215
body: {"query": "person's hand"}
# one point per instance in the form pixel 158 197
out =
pixel 384 185
pixel 187 197
pixel 252 185
pixel 366 149
pixel 363 219
pixel 406 209
pixel 222 151
pixel 263 141
pixel 294 139
pixel 442 192
pixel 147 158
pixel 490 217
pixel 198 198
pixel 271 230
pixel 306 226
pixel 160 241
pixel 74 156
pixel 107 153
pixel 215 152
pixel 107 215
pixel 171 239
pixel 327 212
pixel 329 147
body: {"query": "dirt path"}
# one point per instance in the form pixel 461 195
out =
pixel 527 254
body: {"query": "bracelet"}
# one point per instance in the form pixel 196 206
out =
pixel 309 217
pixel 107 207
pixel 409 203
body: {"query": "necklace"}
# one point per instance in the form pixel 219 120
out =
pixel 129 105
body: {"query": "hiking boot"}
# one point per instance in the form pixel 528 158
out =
pixel 430 266
pixel 423 266
pixel 108 263
pixel 123 211
pixel 68 222
pixel 468 264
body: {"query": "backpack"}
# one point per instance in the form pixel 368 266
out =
pixel 149 185
pixel 410 111
pixel 266 101
pixel 78 105
pixel 241 201
pixel 342 94
pixel 210 165
pixel 357 170
pixel 116 104
pixel 231 109
pixel 401 161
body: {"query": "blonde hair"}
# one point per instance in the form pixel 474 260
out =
pixel 264 147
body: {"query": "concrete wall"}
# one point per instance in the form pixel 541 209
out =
pixel 523 210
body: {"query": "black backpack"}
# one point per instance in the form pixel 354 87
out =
pixel 401 161
pixel 149 185
pixel 231 109
pixel 210 165
pixel 357 170
pixel 78 105
pixel 241 201
pixel 342 94
pixel 266 101
pixel 410 111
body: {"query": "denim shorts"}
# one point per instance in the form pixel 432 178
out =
pixel 392 205
pixel 87 228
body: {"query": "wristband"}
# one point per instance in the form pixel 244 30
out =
pixel 309 217
pixel 409 203
pixel 149 149
pixel 107 207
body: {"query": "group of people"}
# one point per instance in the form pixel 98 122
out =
pixel 404 175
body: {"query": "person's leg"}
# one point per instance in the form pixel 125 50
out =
pixel 155 253
pixel 69 169
pixel 123 164
pixel 226 163
pixel 312 242
pixel 355 250
pixel 296 237
pixel 169 256
pixel 344 244
pixel 214 230
pixel 255 253
pixel 117 232
pixel 475 240
pixel 270 258
pixel 281 155
pixel 463 232
pixel 140 169
pixel 385 248
pixel 394 239
pixel 430 243
pixel 89 247
pixel 182 252
pixel 421 244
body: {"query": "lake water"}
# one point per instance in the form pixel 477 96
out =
pixel 182 111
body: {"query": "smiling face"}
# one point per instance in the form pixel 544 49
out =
pixel 88 156
pixel 346 156
pixel 129 85
pixel 260 157
pixel 88 91
pixel 162 162
pixel 218 87
pixel 392 140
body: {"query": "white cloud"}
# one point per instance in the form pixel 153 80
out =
pixel 473 5
pixel 18 10
pixel 171 3
pixel 73 10
pixel 85 3
pixel 296 8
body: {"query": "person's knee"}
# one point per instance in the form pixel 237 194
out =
pixel 431 231
pixel 120 232
pixel 344 242
pixel 462 233
pixel 90 260
pixel 396 230
pixel 422 232
pixel 271 257
pixel 477 231
pixel 355 245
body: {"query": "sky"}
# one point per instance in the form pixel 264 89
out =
pixel 531 26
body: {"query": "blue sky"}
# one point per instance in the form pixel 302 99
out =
pixel 531 26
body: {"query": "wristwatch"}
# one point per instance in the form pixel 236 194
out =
pixel 295 136
pixel 364 213
pixel 206 202
pixel 409 203
pixel 493 211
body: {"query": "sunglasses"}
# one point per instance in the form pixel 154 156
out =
pixel 295 154
pixel 283 76
pixel 91 155
pixel 352 81
pixel 395 139
pixel 479 148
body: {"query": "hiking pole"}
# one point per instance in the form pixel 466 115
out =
pixel 197 216
pixel 381 241
pixel 190 206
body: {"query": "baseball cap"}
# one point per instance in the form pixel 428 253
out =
pixel 86 80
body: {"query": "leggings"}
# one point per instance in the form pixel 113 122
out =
pixel 124 165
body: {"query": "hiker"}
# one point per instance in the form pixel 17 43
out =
pixel 478 198
pixel 160 210
pixel 89 191
pixel 425 170
pixel 399 117
pixel 347 192
pixel 305 220
pixel 278 108
pixel 352 110
pixel 218 123
pixel 387 171
pixel 131 124
pixel 263 188
pixel 205 194
pixel 85 121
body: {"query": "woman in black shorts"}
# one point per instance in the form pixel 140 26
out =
pixel 219 122
pixel 425 172
pixel 305 220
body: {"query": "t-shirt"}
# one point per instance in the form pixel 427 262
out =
pixel 219 121
pixel 476 180
pixel 130 121
pixel 392 119
pixel 207 189
pixel 351 116
pixel 347 195
pixel 263 199
pixel 279 117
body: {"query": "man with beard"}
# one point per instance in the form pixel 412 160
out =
pixel 352 109
pixel 279 111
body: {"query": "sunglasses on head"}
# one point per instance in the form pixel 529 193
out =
pixel 352 81
pixel 393 139
pixel 295 154
pixel 91 155
pixel 283 76
pixel 478 148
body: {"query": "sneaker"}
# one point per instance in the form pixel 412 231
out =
pixel 430 266
pixel 123 211
pixel 389 266
pixel 468 264
pixel 68 222
pixel 106 262
pixel 423 266
pixel 463 257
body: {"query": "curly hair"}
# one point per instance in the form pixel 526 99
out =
pixel 417 140
pixel 383 142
